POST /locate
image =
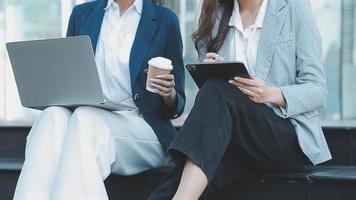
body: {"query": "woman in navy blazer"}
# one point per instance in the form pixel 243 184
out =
pixel 68 155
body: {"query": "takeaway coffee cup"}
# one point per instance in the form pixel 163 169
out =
pixel 157 66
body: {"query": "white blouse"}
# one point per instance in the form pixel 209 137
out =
pixel 113 51
pixel 245 41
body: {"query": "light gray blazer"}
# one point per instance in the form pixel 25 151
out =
pixel 289 56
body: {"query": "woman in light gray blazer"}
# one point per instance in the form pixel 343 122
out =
pixel 268 122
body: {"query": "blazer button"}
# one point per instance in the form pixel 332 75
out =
pixel 136 97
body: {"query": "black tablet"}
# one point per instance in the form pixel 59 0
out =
pixel 226 71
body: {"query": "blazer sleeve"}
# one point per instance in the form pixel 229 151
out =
pixel 71 30
pixel 309 92
pixel 174 51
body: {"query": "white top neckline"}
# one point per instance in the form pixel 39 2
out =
pixel 137 4
pixel 236 20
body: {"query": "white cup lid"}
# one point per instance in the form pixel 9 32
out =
pixel 162 63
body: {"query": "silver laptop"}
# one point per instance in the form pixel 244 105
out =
pixel 58 72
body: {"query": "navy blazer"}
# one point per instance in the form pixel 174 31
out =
pixel 158 34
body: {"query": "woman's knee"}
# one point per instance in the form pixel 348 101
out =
pixel 51 125
pixel 53 119
pixel 86 120
pixel 57 113
pixel 216 88
pixel 83 115
pixel 220 87
pixel 215 84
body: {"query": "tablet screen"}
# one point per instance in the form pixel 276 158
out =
pixel 225 71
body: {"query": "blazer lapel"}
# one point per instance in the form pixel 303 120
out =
pixel 95 20
pixel 145 33
pixel 273 23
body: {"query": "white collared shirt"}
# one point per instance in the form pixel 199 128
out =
pixel 246 40
pixel 113 51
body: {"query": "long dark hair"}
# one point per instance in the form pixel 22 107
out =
pixel 207 20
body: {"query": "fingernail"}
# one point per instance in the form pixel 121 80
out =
pixel 230 81
pixel 236 78
pixel 153 79
pixel 159 76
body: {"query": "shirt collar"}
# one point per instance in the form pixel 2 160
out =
pixel 236 20
pixel 137 4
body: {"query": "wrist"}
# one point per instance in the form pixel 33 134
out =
pixel 170 99
pixel 173 94
pixel 277 97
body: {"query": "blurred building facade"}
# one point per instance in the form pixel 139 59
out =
pixel 35 19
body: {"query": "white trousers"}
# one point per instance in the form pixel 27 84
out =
pixel 69 155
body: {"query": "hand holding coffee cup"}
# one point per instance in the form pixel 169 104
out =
pixel 159 79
